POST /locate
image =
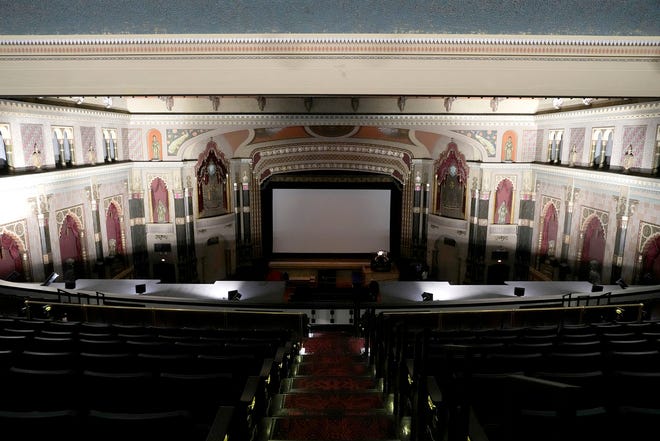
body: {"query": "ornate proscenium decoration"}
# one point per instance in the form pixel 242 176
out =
pixel 381 261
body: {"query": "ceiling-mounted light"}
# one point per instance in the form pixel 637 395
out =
pixel 587 101
pixel 215 102
pixel 107 101
pixel 448 102
pixel 78 99
pixel 557 103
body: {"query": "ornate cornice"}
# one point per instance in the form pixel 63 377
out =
pixel 332 44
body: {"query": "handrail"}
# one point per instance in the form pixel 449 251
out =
pixel 295 320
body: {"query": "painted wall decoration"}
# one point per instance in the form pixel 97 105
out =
pixel 160 203
pixel 33 141
pixel 509 144
pixel 487 138
pixel 211 170
pixel 451 181
pixel 154 145
pixel 176 137
pixel 633 141
pixel 503 202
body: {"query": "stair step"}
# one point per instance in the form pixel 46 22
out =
pixel 335 369
pixel 331 383
pixel 328 403
pixel 378 427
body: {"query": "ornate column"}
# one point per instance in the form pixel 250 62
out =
pixel 624 209
pixel 243 219
pixel 138 230
pixel 41 208
pixel 525 237
pixel 419 216
pixel 93 196
pixel 476 257
pixel 571 195
pixel 185 243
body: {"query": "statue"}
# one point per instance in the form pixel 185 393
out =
pixel 628 159
pixel 573 157
pixel 502 213
pixel 161 212
pixel 36 159
pixel 508 149
pixel 155 148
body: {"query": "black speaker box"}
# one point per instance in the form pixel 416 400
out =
pixel 519 291
pixel 141 288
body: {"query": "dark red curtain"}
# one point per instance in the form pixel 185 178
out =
pixel 10 256
pixel 550 226
pixel 593 247
pixel 113 227
pixel 651 261
pixel 70 240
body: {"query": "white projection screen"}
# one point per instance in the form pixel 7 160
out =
pixel 331 220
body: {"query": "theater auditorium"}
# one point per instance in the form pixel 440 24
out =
pixel 280 221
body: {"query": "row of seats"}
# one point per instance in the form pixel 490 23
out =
pixel 588 381
pixel 112 381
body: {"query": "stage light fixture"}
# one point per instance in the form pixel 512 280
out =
pixel 234 295
pixel 622 284
pixel 427 296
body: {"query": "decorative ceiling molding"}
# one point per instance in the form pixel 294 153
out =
pixel 345 44
pixel 343 156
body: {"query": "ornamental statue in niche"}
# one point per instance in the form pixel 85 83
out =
pixel 211 171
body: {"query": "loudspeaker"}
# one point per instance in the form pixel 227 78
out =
pixel 427 296
pixel 234 295
pixel 519 291
pixel 141 288
pixel 596 288
pixel 50 279
pixel 70 284
pixel 13 276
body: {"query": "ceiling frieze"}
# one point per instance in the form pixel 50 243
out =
pixel 437 45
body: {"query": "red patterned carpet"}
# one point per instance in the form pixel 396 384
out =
pixel 332 395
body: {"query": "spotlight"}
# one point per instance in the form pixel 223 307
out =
pixel 50 279
pixel 234 295
pixel 427 296
pixel 381 261
pixel 621 283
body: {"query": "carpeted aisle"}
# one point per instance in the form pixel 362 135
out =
pixel 331 395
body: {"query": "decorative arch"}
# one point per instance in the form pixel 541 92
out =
pixel 343 156
pixel 451 175
pixel 160 201
pixel 503 202
pixel 212 170
pixel 11 257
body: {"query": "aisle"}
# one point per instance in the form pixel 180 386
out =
pixel 332 394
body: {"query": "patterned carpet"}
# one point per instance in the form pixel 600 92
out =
pixel 332 395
